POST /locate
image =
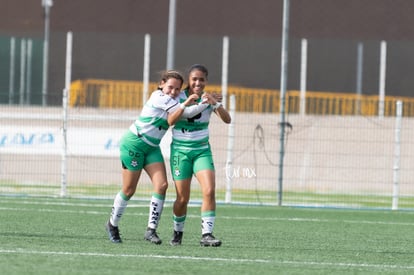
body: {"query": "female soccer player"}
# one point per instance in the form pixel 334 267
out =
pixel 191 154
pixel 139 149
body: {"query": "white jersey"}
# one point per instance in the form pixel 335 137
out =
pixel 152 123
pixel 192 133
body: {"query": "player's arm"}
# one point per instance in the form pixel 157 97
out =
pixel 192 110
pixel 221 112
pixel 185 109
pixel 215 101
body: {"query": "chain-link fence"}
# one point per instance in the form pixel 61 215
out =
pixel 330 160
pixel 341 161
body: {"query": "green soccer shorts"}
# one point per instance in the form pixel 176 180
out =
pixel 185 163
pixel 135 153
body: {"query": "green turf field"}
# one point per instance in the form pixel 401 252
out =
pixel 67 236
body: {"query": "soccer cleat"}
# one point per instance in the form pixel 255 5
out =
pixel 151 236
pixel 209 240
pixel 177 237
pixel 113 233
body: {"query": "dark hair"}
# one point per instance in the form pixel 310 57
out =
pixel 198 67
pixel 171 74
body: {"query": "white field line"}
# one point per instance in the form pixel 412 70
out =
pixel 196 216
pixel 69 204
pixel 268 261
pixel 192 258
pixel 132 204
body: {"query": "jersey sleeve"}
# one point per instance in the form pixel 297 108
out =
pixel 194 110
pixel 190 111
pixel 162 101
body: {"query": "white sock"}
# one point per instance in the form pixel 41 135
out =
pixel 179 223
pixel 155 210
pixel 120 204
pixel 207 222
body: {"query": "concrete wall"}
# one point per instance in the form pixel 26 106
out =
pixel 344 155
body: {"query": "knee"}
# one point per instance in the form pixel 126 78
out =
pixel 209 192
pixel 164 186
pixel 129 192
pixel 161 188
pixel 181 200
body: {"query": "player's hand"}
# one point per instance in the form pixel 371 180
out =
pixel 208 98
pixel 218 97
pixel 192 99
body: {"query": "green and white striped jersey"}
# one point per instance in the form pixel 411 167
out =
pixel 191 133
pixel 152 123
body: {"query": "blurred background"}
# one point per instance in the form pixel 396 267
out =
pixel 343 149
pixel 109 41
